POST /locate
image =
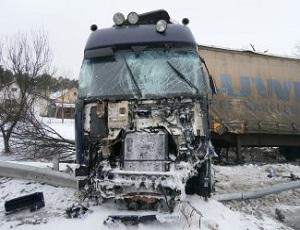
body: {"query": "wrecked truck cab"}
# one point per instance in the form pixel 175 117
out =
pixel 142 114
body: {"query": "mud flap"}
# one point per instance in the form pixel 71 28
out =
pixel 33 201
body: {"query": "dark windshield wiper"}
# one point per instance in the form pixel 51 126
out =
pixel 182 77
pixel 132 77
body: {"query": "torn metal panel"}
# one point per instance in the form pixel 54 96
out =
pixel 132 219
pixel 156 150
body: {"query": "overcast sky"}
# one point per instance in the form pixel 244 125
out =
pixel 272 25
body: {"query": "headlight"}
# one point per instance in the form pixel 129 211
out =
pixel 161 26
pixel 133 18
pixel 119 19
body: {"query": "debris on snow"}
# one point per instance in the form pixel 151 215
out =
pixel 279 215
pixel 32 201
pixel 76 211
pixel 188 212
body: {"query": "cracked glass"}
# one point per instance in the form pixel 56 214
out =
pixel 149 74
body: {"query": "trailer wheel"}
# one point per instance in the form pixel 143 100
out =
pixel 203 183
pixel 290 153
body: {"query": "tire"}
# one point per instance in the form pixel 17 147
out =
pixel 202 184
pixel 290 153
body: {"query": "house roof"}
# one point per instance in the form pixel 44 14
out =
pixel 57 94
pixel 66 96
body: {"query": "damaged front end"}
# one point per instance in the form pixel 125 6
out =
pixel 148 154
pixel 142 121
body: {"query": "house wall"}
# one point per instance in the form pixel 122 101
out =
pixel 64 104
pixel 10 92
pixel 69 97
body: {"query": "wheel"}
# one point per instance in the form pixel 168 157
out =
pixel 290 153
pixel 202 184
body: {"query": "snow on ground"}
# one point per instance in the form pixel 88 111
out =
pixel 214 214
pixel 251 177
pixel 240 215
pixel 66 129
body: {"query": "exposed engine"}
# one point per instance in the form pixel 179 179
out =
pixel 142 113
pixel 147 154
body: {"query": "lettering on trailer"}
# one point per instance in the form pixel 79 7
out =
pixel 282 90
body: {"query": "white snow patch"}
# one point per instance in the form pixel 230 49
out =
pixel 215 215
pixel 65 128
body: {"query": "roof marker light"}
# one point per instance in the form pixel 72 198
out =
pixel 185 21
pixel 119 18
pixel 133 18
pixel 161 26
pixel 94 27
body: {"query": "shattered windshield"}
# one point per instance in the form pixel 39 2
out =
pixel 149 74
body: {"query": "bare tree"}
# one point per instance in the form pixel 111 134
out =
pixel 1 69
pixel 36 139
pixel 25 59
pixel 26 56
pixel 0 51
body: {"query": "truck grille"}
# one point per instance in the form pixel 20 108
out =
pixel 145 151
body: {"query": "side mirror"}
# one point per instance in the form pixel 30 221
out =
pixel 212 82
pixel 212 85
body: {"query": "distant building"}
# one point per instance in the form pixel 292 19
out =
pixel 62 103
pixel 10 94
pixel 42 105
pixel 59 104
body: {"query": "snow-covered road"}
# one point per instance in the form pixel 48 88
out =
pixel 240 215
pixel 251 214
